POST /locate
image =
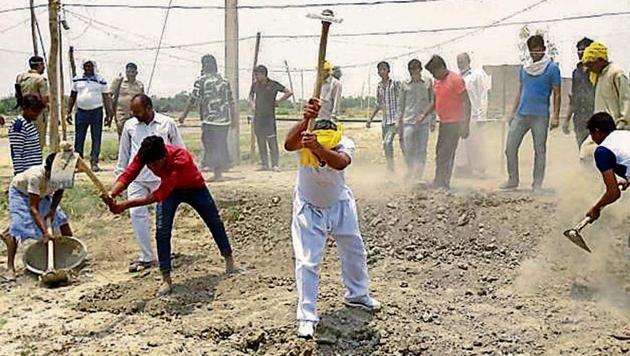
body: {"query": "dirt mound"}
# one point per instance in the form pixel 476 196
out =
pixel 449 269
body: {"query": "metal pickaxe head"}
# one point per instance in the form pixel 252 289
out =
pixel 327 16
pixel 574 234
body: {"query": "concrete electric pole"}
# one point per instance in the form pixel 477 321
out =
pixel 231 72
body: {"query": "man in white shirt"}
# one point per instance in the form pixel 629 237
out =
pixel 144 122
pixel 90 92
pixel 469 159
pixel 324 205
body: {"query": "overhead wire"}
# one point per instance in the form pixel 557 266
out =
pixel 243 7
pixel 157 52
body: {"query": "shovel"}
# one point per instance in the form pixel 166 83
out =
pixel 52 276
pixel 574 234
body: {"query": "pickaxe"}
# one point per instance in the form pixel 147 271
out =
pixel 327 17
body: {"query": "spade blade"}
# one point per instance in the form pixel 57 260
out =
pixel 575 237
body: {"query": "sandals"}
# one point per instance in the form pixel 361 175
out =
pixel 139 266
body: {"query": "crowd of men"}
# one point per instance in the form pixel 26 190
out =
pixel 154 166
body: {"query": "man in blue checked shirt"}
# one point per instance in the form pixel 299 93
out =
pixel 387 94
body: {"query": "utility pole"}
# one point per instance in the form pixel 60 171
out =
pixel 286 64
pixel 231 72
pixel 252 135
pixel 62 90
pixel 73 66
pixel 33 29
pixel 53 19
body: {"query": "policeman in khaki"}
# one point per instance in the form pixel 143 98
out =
pixel 123 90
pixel 33 82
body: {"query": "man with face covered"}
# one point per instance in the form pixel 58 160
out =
pixel 539 78
pixel 144 122
pixel 123 90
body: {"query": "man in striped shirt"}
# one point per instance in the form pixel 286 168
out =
pixel 24 144
pixel 387 94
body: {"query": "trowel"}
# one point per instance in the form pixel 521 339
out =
pixel 574 234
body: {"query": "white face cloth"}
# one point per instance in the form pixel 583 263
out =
pixel 537 68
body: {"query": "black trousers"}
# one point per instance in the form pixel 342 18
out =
pixel 448 138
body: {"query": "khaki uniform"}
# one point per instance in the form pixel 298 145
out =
pixel 32 82
pixel 127 91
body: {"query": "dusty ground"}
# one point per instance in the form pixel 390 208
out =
pixel 473 271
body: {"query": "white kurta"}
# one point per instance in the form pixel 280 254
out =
pixel 316 214
pixel 470 151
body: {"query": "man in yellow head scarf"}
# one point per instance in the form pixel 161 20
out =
pixel 330 97
pixel 324 205
pixel 612 91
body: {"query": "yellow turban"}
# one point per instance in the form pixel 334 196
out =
pixel 591 54
pixel 327 66
pixel 594 52
pixel 327 138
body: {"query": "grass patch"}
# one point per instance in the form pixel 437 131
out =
pixel 2 323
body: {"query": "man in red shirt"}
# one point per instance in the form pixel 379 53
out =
pixel 181 183
pixel 453 108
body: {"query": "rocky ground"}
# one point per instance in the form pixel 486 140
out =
pixel 469 272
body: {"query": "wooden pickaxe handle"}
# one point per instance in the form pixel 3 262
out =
pixel 321 58
pixel 83 167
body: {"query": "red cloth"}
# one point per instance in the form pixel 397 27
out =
pixel 180 172
pixel 448 98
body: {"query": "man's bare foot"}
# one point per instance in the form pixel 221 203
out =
pixel 167 284
pixel 10 276
pixel 164 289
pixel 231 267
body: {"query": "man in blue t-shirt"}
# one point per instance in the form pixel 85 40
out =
pixel 612 158
pixel 538 80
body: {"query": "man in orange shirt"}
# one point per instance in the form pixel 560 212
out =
pixel 453 108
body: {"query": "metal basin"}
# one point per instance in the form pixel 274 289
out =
pixel 70 253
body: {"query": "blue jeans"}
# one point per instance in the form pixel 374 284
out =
pixel 388 133
pixel 520 125
pixel 200 200
pixel 94 120
pixel 415 141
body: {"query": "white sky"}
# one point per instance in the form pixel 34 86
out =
pixel 490 46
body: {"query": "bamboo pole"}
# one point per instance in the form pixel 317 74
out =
pixel 53 18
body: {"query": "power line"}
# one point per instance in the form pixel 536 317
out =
pixel 497 24
pixel 241 7
pixel 451 40
pixel 157 52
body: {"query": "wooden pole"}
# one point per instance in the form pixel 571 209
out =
pixel 302 85
pixel 53 19
pixel 62 90
pixel 286 64
pixel 73 66
pixel 33 28
pixel 231 72
pixel 252 136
